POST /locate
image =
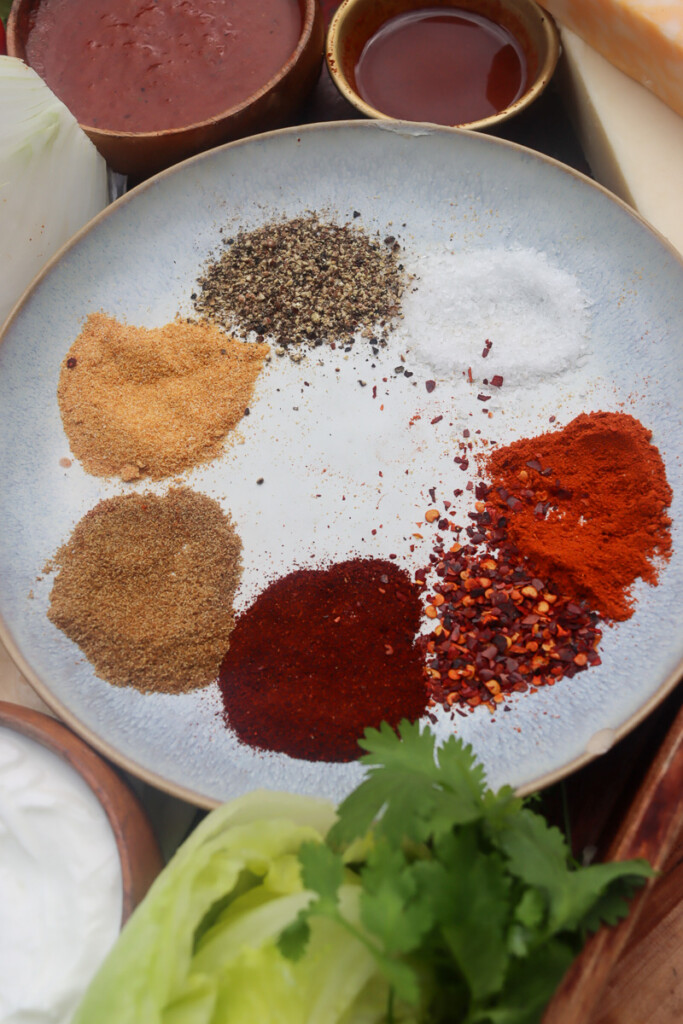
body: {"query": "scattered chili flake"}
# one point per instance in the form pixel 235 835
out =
pixel 497 381
pixel 71 362
pixel 430 385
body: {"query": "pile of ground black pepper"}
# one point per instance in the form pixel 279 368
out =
pixel 146 586
pixel 304 282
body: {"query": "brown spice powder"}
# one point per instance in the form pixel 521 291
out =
pixel 146 586
pixel 137 401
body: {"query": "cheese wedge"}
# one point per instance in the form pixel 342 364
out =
pixel 643 38
pixel 632 141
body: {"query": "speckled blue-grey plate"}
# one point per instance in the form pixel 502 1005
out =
pixel 337 462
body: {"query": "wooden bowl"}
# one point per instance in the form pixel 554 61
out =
pixel 141 154
pixel 356 21
pixel 139 853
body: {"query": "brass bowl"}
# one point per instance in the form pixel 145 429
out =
pixel 356 21
pixel 139 853
pixel 141 154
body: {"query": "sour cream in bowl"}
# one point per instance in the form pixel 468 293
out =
pixel 76 855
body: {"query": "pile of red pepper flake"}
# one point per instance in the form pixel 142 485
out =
pixel 499 627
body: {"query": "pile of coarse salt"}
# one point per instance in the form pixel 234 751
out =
pixel 533 314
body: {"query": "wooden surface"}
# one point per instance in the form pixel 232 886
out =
pixel 646 984
pixel 651 829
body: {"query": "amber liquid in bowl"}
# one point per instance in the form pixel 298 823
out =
pixel 448 66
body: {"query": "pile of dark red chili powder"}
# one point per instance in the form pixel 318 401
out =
pixel 323 654
pixel 568 522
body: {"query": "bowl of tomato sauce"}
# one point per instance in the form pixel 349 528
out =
pixel 462 63
pixel 155 81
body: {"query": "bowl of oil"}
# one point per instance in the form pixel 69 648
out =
pixel 469 64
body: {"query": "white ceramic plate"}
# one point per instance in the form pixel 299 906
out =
pixel 315 444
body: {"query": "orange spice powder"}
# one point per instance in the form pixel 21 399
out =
pixel 152 402
pixel 586 505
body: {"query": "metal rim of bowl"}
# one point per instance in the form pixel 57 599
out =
pixel 333 58
pixel 15 48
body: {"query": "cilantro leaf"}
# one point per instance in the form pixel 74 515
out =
pixel 471 894
pixel 322 870
pixel 530 984
pixel 294 939
pixel 403 979
pixel 408 793
pixel 468 899
pixel 539 856
pixel 459 769
pixel 601 892
pixel 392 906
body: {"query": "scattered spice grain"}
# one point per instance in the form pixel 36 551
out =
pixel 321 655
pixel 145 588
pixel 304 282
pixel 152 402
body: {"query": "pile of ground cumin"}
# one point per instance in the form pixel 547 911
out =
pixel 145 588
pixel 152 402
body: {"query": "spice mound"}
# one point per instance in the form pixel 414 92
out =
pixel 587 506
pixel 145 588
pixel 321 655
pixel 304 282
pixel 152 402
pixel 499 628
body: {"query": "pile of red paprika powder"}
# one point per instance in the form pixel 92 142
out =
pixel 587 505
pixel 569 520
pixel 323 654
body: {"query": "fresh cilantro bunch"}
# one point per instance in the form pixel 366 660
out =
pixel 469 902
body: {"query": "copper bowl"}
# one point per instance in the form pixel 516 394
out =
pixel 139 853
pixel 141 154
pixel 356 21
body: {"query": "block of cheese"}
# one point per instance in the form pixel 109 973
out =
pixel 632 141
pixel 643 38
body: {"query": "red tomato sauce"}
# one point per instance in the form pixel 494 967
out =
pixel 445 66
pixel 147 65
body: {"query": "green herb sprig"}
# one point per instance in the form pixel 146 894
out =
pixel 470 902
